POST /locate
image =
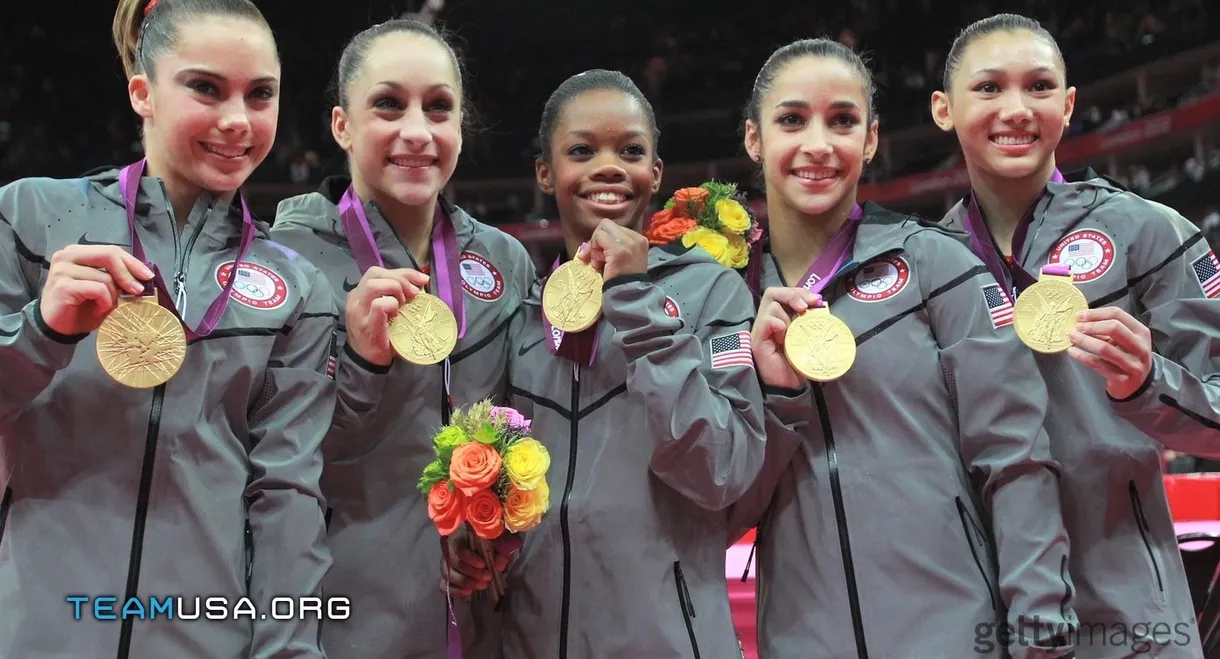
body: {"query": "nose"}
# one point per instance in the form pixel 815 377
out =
pixel 815 143
pixel 608 170
pixel 414 128
pixel 1014 110
pixel 235 119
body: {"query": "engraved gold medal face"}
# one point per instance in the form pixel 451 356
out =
pixel 425 330
pixel 141 344
pixel 572 299
pixel 819 346
pixel 1045 313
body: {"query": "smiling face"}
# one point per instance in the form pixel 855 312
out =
pixel 212 110
pixel 1009 104
pixel 603 162
pixel 403 125
pixel 813 135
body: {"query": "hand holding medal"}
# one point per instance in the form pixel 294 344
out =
pixel 1116 345
pixel 572 298
pixel 768 336
pixel 373 304
pixel 84 284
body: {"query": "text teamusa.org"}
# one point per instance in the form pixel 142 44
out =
pixel 171 607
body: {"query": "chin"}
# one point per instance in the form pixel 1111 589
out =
pixel 411 194
pixel 815 204
pixel 218 181
pixel 1015 168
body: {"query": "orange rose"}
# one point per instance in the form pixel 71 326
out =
pixel 474 466
pixel 446 508
pixel 485 515
pixel 688 202
pixel 667 227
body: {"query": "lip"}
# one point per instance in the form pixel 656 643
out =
pixel 1014 143
pixel 623 199
pixel 411 162
pixel 227 151
pixel 815 178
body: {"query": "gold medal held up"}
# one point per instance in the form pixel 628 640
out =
pixel 141 344
pixel 572 299
pixel 819 346
pixel 1045 313
pixel 425 330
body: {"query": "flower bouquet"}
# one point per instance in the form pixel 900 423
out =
pixel 488 474
pixel 712 216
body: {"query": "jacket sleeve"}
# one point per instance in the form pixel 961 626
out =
pixel 31 353
pixel 1001 403
pixel 1178 297
pixel 707 422
pixel 287 424
pixel 788 415
pixel 359 388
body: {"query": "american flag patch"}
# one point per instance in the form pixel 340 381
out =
pixel 1207 271
pixel 732 350
pixel 998 305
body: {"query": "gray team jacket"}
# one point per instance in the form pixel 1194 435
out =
pixel 206 486
pixel 1142 257
pixel 386 551
pixel 911 508
pixel 649 446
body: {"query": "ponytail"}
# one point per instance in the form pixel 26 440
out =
pixel 144 29
pixel 128 19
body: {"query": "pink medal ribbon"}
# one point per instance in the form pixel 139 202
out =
pixel 1014 276
pixel 129 186
pixel 819 274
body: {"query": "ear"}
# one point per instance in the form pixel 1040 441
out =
pixel 339 128
pixel 753 142
pixel 139 92
pixel 1069 104
pixel 657 168
pixel 941 111
pixel 542 174
pixel 871 141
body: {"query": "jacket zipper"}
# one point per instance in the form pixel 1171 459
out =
pixel 249 555
pixel 1137 509
pixel 688 606
pixel 970 531
pixel 836 494
pixel 4 506
pixel 185 260
pixel 564 528
pixel 137 527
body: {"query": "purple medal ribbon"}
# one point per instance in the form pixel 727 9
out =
pixel 444 250
pixel 580 347
pixel 1017 276
pixel 129 186
pixel 818 276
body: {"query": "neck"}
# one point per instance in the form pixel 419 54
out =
pixel 413 224
pixel 1006 201
pixel 796 239
pixel 181 192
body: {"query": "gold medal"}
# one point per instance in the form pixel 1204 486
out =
pixel 425 330
pixel 1045 313
pixel 819 346
pixel 572 299
pixel 141 344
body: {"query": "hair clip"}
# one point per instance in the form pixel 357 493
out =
pixel 149 8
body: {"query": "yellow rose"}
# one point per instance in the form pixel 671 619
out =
pixel 713 241
pixel 732 216
pixel 526 462
pixel 524 509
pixel 737 254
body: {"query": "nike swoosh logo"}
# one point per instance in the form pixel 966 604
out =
pixel 84 240
pixel 348 286
pixel 526 348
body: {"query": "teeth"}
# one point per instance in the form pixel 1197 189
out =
pixel 226 151
pixel 411 161
pixel 1010 140
pixel 814 175
pixel 607 197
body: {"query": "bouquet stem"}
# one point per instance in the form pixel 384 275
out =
pixel 488 554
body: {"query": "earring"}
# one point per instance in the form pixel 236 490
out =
pixel 867 160
pixel 757 158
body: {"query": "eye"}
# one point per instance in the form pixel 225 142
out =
pixel 791 119
pixel 845 120
pixel 443 105
pixel 203 87
pixel 580 150
pixel 387 103
pixel 263 93
pixel 987 87
pixel 635 151
pixel 1043 86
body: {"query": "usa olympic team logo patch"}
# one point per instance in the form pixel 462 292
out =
pixel 256 286
pixel 880 280
pixel 1089 252
pixel 480 278
pixel 671 308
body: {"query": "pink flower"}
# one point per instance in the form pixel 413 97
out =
pixel 755 233
pixel 511 416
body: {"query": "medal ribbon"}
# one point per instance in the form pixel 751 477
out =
pixel 580 347
pixel 818 276
pixel 444 250
pixel 129 186
pixel 1015 275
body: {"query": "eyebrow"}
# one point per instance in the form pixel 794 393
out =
pixel 588 134
pixel 399 87
pixel 212 74
pixel 994 72
pixel 804 105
